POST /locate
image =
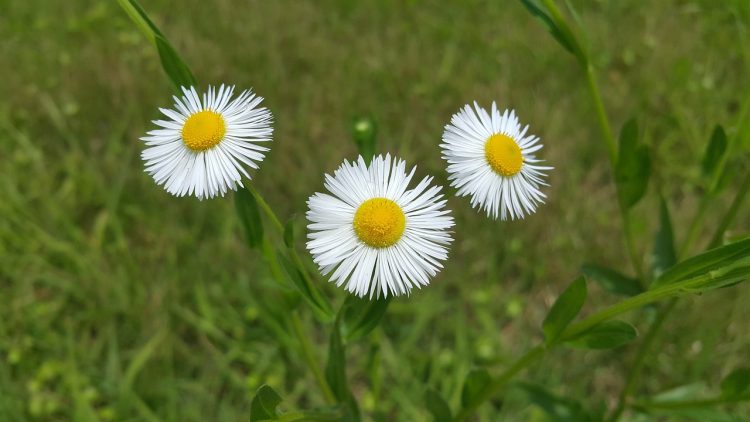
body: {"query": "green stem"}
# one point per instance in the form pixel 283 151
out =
pixel 732 213
pixel 267 209
pixel 309 355
pixel 640 359
pixel 498 383
pixel 601 113
pixel 696 224
pixel 581 327
pixel 688 404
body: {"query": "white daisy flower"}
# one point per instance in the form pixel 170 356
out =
pixel 204 145
pixel 375 235
pixel 491 158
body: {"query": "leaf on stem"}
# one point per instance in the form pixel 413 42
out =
pixel 360 316
pixel 664 255
pixel 318 303
pixel 336 374
pixel 289 232
pixel 476 381
pixel 606 335
pixel 176 69
pixel 633 166
pixel 557 408
pixel 437 406
pixel 720 263
pixel 564 310
pixel 715 151
pixel 263 406
pixel 558 30
pixel 611 280
pixel 247 209
pixel 736 383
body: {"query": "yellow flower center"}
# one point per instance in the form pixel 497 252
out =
pixel 379 222
pixel 503 154
pixel 203 130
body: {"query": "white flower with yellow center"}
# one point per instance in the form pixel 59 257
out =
pixel 491 158
pixel 375 235
pixel 203 147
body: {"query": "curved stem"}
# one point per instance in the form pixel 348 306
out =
pixel 601 113
pixel 267 209
pixel 640 359
pixel 309 356
pixel 498 383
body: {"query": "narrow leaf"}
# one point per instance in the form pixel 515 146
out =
pixel 477 380
pixel 736 383
pixel 140 18
pixel 633 166
pixel 319 304
pixel 564 310
pixel 558 408
pixel 263 406
pixel 173 65
pixel 664 256
pixel 360 316
pixel 715 151
pixel 561 34
pixel 247 210
pixel 607 335
pixel 289 232
pixel 611 280
pixel 712 260
pixel 437 406
pixel 335 373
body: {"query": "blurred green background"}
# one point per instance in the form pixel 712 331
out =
pixel 120 302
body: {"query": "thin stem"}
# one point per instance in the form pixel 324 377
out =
pixel 640 359
pixel 309 355
pixel 732 213
pixel 581 327
pixel 498 383
pixel 267 209
pixel 601 113
pixel 687 404
pixel 696 224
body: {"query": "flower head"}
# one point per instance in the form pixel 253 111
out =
pixel 375 235
pixel 204 146
pixel 491 158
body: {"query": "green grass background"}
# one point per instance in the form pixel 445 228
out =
pixel 120 302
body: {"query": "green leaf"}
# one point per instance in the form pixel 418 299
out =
pixel 716 260
pixel 318 303
pixel 561 33
pixel 559 409
pixel 247 210
pixel 715 151
pixel 263 406
pixel 633 166
pixel 564 310
pixel 141 19
pixel 336 375
pixel 289 232
pixel 177 71
pixel 606 335
pixel 664 256
pixel 476 381
pixel 363 132
pixel 360 316
pixel 173 65
pixel 437 406
pixel 611 280
pixel 736 383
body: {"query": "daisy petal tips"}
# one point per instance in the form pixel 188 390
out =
pixel 375 236
pixel 491 158
pixel 204 145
